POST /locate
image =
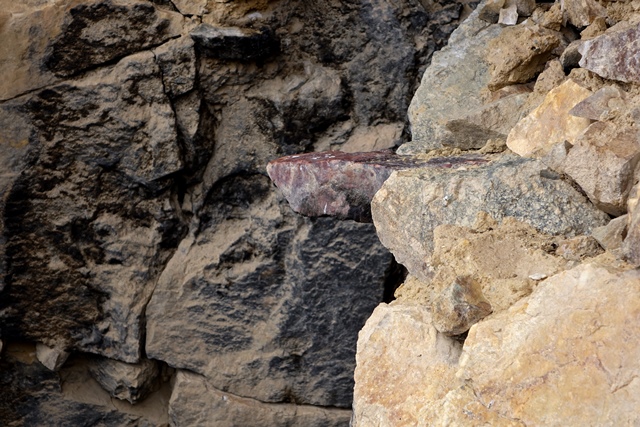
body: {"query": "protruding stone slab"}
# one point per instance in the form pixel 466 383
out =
pixel 338 184
pixel 614 55
pixel 412 203
pixel 233 43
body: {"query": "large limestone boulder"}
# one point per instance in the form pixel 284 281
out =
pixel 564 356
pixel 412 203
pixel 404 364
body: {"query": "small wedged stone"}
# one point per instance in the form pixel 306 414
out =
pixel 602 162
pixel 234 43
pixel 508 15
pixel 611 236
pixel 340 184
pixel 52 358
pixel 614 55
pixel 459 306
pixel 412 203
pixel 126 381
pixel 550 123
pixel 519 53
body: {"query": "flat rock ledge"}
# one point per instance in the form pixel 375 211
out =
pixel 342 185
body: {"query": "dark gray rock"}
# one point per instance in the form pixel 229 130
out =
pixel 233 43
pixel 266 305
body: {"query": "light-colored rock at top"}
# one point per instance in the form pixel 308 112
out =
pixel 614 55
pixel 566 356
pixel 403 366
pixel 550 123
pixel 452 86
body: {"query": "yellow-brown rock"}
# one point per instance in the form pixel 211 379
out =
pixel 519 53
pixel 550 123
pixel 566 356
pixel 403 366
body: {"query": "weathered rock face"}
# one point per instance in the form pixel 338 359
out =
pixel 613 55
pixel 125 381
pixel 196 402
pixel 412 203
pixel 135 136
pixel 245 303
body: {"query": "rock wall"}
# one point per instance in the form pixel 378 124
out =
pixel 521 304
pixel 144 254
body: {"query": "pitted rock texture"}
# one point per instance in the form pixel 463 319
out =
pixel 195 402
pixel 342 185
pixel 412 203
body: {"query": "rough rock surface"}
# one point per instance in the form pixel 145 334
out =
pixel 631 245
pixel 550 123
pixel 194 402
pixel 614 55
pixel 602 162
pixel 403 363
pixel 126 131
pixel 52 358
pixel 342 185
pixel 34 395
pixel 451 87
pixel 412 203
pixel 245 303
pixel 561 334
pixel 126 381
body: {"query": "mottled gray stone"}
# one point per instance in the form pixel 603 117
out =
pixel 194 402
pixel 451 86
pixel 412 203
pixel 177 62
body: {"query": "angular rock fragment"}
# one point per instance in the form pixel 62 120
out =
pixel 452 87
pixel 403 363
pixel 126 381
pixel 564 356
pixel 581 13
pixel 614 55
pixel 611 236
pixel 523 7
pixel 412 203
pixel 508 15
pixel 177 62
pixel 578 248
pixel 551 122
pixel 607 103
pixel 233 43
pixel 603 162
pixel 342 184
pixel 519 53
pixel 52 358
pixel 489 11
pixel 459 306
pixel 194 402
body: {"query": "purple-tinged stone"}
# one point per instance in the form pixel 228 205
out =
pixel 342 185
pixel 614 55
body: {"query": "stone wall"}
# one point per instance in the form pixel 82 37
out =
pixel 144 254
